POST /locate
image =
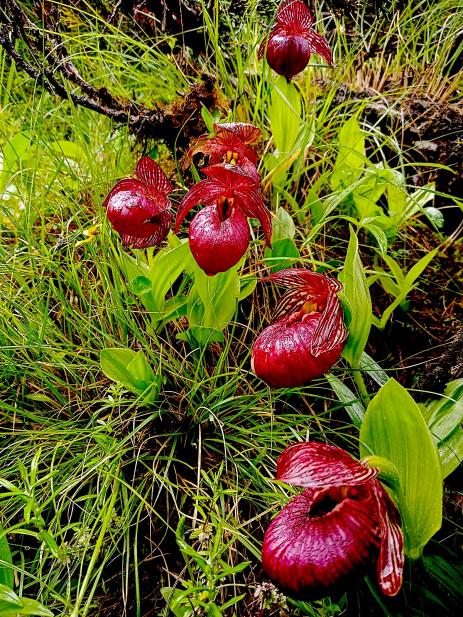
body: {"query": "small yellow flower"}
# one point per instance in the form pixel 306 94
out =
pixel 90 234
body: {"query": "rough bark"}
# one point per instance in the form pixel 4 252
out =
pixel 43 56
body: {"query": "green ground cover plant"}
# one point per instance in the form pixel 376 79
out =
pixel 139 447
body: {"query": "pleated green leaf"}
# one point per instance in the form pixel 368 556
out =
pixel 395 429
pixel 356 301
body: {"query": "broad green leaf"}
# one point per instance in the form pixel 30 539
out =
pixel 127 367
pixel 140 285
pixel 8 596
pixel 396 197
pixel 367 194
pixel 114 364
pixel 140 369
pixel 395 268
pixel 6 561
pixel 219 295
pixel 435 216
pixel 378 234
pixel 446 413
pixel 415 271
pixel 444 416
pixel 281 255
pixel 388 284
pixel 451 452
pixel 166 268
pixel 204 336
pixel 69 149
pixel 15 150
pixel 282 225
pixel 212 303
pixel 135 272
pixel 353 406
pixel 278 164
pixel 247 287
pixel 11 605
pixel 152 282
pixel 395 429
pixel 32 607
pixel 207 118
pixel 327 206
pixel 357 302
pixel 350 161
pixel 285 115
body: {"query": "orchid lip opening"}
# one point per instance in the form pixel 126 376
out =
pixel 341 526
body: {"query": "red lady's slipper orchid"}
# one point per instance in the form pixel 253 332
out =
pixel 219 234
pixel 139 209
pixel 336 530
pixel 231 144
pixel 293 40
pixel 307 334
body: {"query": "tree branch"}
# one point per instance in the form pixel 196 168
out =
pixel 49 61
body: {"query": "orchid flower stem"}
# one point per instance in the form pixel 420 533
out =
pixel 358 377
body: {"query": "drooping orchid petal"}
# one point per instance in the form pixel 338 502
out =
pixel 228 189
pixel 332 533
pixel 307 334
pixel 391 554
pixel 252 206
pixel 205 192
pixel 312 464
pixel 293 40
pixel 139 210
pixel 330 332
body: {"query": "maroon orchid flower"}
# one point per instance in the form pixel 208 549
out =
pixel 139 209
pixel 219 234
pixel 231 144
pixel 336 530
pixel 307 334
pixel 293 40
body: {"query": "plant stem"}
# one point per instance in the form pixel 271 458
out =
pixel 358 377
